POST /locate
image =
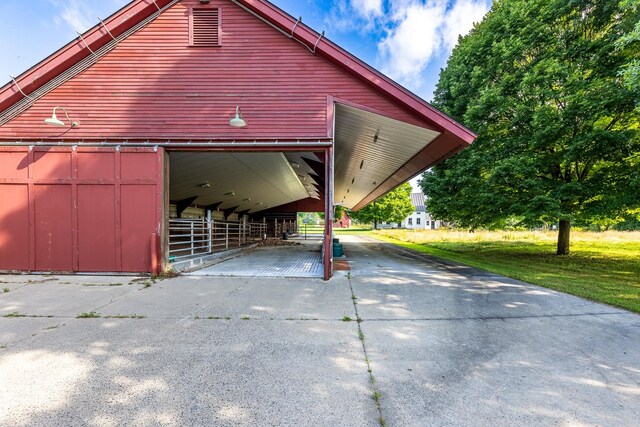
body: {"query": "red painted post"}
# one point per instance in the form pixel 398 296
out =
pixel 155 265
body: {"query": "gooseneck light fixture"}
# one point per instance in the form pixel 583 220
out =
pixel 237 121
pixel 54 121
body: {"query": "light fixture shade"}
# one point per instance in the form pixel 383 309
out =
pixel 237 121
pixel 54 121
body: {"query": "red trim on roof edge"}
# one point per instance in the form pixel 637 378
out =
pixel 73 52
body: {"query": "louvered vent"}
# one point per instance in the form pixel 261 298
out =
pixel 205 27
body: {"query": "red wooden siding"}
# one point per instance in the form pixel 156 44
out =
pixel 154 85
pixel 14 226
pixel 138 221
pixel 53 235
pixel 85 210
pixel 97 228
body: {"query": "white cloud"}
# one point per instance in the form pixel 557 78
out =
pixel 361 15
pixel 81 15
pixel 410 45
pixel 367 8
pixel 77 14
pixel 460 19
pixel 418 30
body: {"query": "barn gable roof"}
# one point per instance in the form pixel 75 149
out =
pixel 50 72
pixel 382 133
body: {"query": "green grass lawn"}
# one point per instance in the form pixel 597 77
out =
pixel 602 267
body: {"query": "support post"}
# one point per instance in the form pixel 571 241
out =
pixel 209 229
pixel 328 213
pixel 155 264
pixel 192 245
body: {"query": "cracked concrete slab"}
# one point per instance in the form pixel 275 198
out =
pixel 63 298
pixel 446 344
pixel 455 347
pixel 14 330
pixel 447 291
pixel 536 371
pixel 103 372
pixel 258 298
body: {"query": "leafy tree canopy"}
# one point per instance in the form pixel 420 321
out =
pixel 548 86
pixel 394 206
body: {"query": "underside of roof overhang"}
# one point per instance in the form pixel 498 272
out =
pixel 369 149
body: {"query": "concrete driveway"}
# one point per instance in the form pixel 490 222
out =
pixel 444 344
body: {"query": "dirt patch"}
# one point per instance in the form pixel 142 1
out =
pixel 341 265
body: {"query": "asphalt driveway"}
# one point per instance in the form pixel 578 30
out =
pixel 438 344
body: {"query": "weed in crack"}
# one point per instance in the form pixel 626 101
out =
pixel 101 284
pixel 15 314
pixel 5 290
pixel 346 319
pixel 167 274
pixel 89 315
pixel 376 394
pixel 126 316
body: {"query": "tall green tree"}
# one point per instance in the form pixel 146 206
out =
pixel 394 206
pixel 631 41
pixel 540 82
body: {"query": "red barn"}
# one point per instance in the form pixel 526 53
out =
pixel 232 107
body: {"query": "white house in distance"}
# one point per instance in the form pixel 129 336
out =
pixel 419 218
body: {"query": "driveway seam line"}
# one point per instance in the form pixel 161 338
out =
pixel 376 393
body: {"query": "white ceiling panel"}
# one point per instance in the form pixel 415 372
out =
pixel 251 181
pixel 370 148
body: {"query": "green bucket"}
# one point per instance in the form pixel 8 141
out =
pixel 337 250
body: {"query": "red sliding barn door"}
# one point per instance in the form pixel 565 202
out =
pixel 90 210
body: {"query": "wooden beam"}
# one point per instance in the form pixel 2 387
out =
pixel 317 179
pixel 183 204
pixel 214 206
pixel 316 167
pixel 229 211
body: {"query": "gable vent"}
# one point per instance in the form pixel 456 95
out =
pixel 204 28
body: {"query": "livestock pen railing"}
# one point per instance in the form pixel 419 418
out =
pixel 196 237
